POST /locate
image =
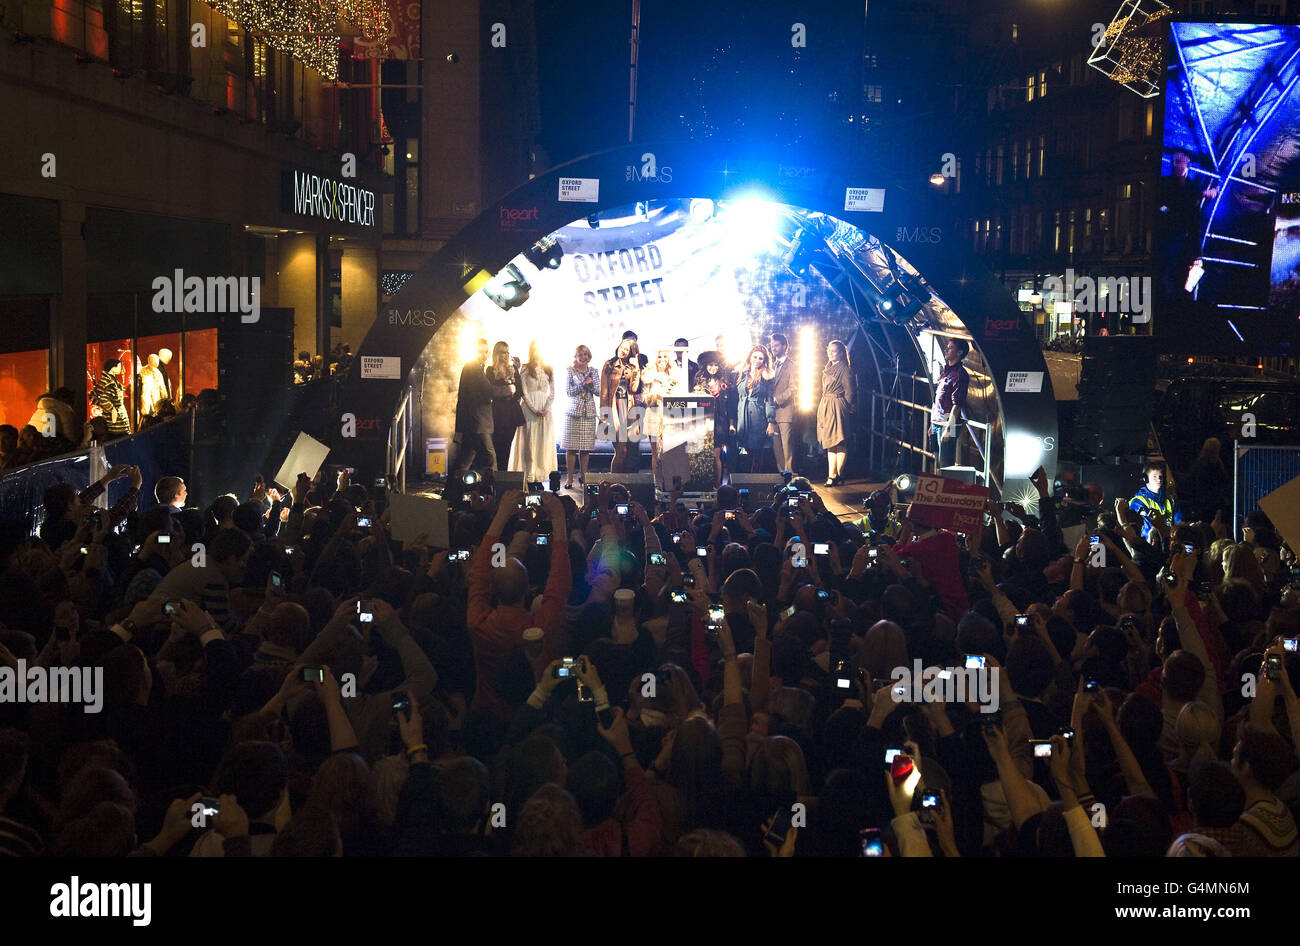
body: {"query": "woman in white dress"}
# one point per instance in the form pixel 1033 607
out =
pixel 533 452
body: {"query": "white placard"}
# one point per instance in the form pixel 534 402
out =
pixel 381 366
pixel 411 515
pixel 869 199
pixel 306 456
pixel 1063 308
pixel 1025 295
pixel 1024 382
pixel 584 190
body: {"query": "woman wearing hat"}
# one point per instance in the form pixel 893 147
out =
pixel 835 409
pixel 712 380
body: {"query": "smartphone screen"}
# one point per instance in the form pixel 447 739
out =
pixel 277 582
pixel 702 551
pixel 788 612
pixel 658 558
pixel 821 548
pixel 543 540
pixel 364 613
pixel 872 846
pixel 622 509
pixel 313 673
pixel 716 615
pixel 363 522
pixel 678 597
pixel 533 499
pixel 729 515
pixel 1042 748
pixel 164 539
pixel 974 662
pixel 1022 620
pixel 1291 645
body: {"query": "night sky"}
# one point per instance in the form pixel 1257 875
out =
pixel 728 71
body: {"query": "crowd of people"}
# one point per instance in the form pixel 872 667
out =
pixel 505 408
pixel 280 677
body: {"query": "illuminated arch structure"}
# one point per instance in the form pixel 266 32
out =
pixel 900 305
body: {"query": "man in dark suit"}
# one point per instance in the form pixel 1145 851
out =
pixel 474 414
pixel 785 394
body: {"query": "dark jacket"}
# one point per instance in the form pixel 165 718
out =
pixel 474 400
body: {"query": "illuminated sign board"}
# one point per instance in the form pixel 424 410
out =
pixel 309 195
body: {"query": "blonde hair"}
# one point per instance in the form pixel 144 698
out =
pixel 1198 731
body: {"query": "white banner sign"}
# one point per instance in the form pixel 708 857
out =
pixel 869 199
pixel 584 190
pixel 1024 382
pixel 379 366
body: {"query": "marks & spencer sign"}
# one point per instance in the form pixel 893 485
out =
pixel 310 195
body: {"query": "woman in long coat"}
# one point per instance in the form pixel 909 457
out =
pixel 835 409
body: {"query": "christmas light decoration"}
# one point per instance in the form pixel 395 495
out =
pixel 308 30
pixel 1129 51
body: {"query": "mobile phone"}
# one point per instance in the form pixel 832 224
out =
pixel 821 548
pixel 974 662
pixel 1094 539
pixel 288 550
pixel 1091 686
pixel 780 827
pixel 678 597
pixel 605 717
pixel 788 612
pixel 1022 620
pixel 1068 735
pixel 742 493
pixel 677 540
pixel 931 805
pixel 622 509
pixel 277 581
pixel 872 846
pixel 210 806
pixel 380 482
pixel 402 703
pixel 83 550
pixel 658 558
pixel 585 694
pixel 702 551
pixel 900 694
pixel 1273 666
pixel 1189 548
pixel 799 561
pixel 171 607
pixel 165 539
pixel 593 489
pixel 823 594
pixel 565 669
pixel 364 613
pixel 843 676
pixel 363 522
pixel 792 502
pixel 1042 748
pixel 542 540
pixel 533 499
pixel 873 554
pixel 729 515
pixel 716 615
pixel 1291 645
pixel 901 768
pixel 313 673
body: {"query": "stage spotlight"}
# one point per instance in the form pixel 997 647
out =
pixel 701 209
pixel 545 253
pixel 509 288
pixel 904 483
pixel 937 179
pixel 799 256
pixel 807 367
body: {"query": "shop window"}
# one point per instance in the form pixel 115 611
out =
pixel 97 353
pixel 24 377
